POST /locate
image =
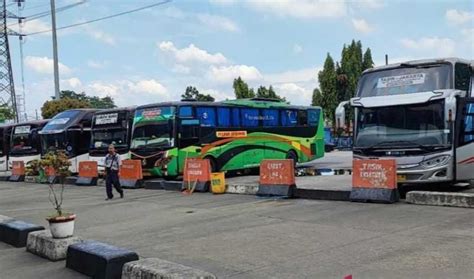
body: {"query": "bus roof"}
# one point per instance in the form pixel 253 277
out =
pixel 131 108
pixel 451 60
pixel 256 103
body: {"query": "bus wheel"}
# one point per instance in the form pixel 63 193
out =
pixel 293 156
pixel 213 164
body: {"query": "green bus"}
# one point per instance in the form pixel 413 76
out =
pixel 233 135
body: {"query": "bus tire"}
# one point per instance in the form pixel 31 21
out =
pixel 292 156
pixel 213 163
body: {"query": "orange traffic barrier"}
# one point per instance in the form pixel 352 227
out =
pixel 374 180
pixel 18 168
pixel 277 178
pixel 18 171
pixel 88 173
pixel 196 175
pixel 131 175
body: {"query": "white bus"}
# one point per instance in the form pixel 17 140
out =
pixel 111 126
pixel 421 114
pixel 69 131
pixel 25 144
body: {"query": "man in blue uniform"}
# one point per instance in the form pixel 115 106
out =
pixel 112 165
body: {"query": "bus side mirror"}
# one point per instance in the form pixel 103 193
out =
pixel 341 115
pixel 450 109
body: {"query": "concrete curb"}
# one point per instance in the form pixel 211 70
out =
pixel 441 198
pixel 241 189
pixel 152 268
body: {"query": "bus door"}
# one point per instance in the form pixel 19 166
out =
pixel 465 139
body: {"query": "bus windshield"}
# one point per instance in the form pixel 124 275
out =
pixel 412 125
pixel 104 137
pixel 406 79
pixel 152 127
pixel 53 142
pixel 60 121
pixel 152 135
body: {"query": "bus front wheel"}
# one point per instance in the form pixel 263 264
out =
pixel 292 156
pixel 213 164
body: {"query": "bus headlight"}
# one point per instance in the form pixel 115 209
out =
pixel 436 161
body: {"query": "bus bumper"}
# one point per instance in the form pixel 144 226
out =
pixel 423 169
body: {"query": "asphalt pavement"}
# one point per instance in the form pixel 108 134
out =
pixel 241 236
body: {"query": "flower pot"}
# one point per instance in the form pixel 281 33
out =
pixel 62 226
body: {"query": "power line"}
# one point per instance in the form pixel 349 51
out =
pixel 46 13
pixel 102 18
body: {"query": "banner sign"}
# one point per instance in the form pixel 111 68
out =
pixel 110 118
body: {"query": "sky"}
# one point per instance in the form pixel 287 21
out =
pixel 154 54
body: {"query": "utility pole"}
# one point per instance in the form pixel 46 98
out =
pixel 7 88
pixel 55 51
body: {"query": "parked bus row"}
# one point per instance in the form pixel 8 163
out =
pixel 233 135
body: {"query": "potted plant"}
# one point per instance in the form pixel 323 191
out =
pixel 61 224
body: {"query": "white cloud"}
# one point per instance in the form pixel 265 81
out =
pixel 218 22
pixel 294 93
pixel 96 64
pixel 32 26
pixel 180 69
pixel 370 4
pixel 226 74
pixel 150 86
pixel 128 92
pixel 301 8
pixel 191 54
pixel 44 65
pixel 454 16
pixel 294 76
pixel 103 89
pixel 71 83
pixel 431 46
pixel 362 26
pixel 297 48
pixel 102 36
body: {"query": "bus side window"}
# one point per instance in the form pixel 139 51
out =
pixel 462 76
pixel 302 118
pixel 313 117
pixel 185 112
pixel 270 117
pixel 250 117
pixel 207 116
pixel 223 117
pixel 235 117
pixel 468 130
pixel 288 117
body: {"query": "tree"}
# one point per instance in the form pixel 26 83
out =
pixel 94 101
pixel 327 81
pixel 53 107
pixel 6 112
pixel 263 92
pixel 241 89
pixel 367 62
pixel 192 93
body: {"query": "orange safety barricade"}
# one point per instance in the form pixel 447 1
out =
pixel 18 168
pixel 88 169
pixel 18 171
pixel 196 175
pixel 374 180
pixel 88 173
pixel 277 178
pixel 131 175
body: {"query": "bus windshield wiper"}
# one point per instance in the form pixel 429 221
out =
pixel 398 144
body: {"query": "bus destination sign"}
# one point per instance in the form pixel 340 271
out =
pixel 231 134
pixel 110 118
